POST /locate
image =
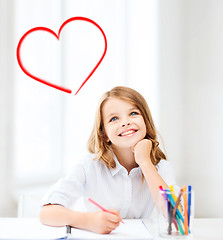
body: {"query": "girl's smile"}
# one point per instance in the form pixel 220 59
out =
pixel 123 123
pixel 128 132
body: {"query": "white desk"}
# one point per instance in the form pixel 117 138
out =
pixel 204 229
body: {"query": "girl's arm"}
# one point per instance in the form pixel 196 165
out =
pixel 99 221
pixel 142 157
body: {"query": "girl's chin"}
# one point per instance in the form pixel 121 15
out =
pixel 124 147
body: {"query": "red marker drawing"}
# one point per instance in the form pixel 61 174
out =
pixel 61 88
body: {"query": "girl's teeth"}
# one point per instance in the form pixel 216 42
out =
pixel 126 133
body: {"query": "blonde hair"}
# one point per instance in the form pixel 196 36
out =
pixel 97 142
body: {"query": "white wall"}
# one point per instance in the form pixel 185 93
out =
pixel 7 205
pixel 191 87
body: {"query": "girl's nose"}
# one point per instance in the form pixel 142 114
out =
pixel 123 125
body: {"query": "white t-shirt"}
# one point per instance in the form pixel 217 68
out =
pixel 111 188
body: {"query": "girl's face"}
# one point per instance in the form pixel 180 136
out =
pixel 123 122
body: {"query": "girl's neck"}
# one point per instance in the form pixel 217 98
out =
pixel 126 158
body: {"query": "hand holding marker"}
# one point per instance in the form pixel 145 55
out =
pixel 102 208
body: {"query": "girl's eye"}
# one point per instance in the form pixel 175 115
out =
pixel 113 119
pixel 134 113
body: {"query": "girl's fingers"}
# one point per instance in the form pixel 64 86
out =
pixel 112 226
pixel 114 216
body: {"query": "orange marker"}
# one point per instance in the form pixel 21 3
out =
pixel 185 210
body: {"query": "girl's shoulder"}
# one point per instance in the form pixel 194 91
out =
pixel 88 161
pixel 84 165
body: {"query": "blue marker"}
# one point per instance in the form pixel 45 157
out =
pixel 189 204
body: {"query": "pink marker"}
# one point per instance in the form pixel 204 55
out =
pixel 102 208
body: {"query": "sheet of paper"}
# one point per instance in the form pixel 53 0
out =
pixel 28 228
pixel 31 229
pixel 131 229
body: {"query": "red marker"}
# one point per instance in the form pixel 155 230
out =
pixel 102 208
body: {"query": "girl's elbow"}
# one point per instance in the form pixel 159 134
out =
pixel 44 215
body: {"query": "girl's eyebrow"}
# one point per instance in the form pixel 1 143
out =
pixel 133 108
pixel 111 115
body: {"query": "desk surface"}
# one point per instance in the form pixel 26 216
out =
pixel 204 229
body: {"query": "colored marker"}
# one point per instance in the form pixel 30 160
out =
pixel 102 208
pixel 179 225
pixel 172 192
pixel 175 223
pixel 175 210
pixel 173 204
pixel 185 210
pixel 170 218
pixel 189 204
pixel 177 202
pixel 174 197
pixel 167 206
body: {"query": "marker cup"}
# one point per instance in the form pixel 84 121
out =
pixel 176 222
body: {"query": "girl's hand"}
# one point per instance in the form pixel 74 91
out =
pixel 142 151
pixel 103 222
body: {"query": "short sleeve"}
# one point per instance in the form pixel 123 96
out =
pixel 67 190
pixel 166 171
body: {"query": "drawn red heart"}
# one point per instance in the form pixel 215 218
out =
pixel 58 37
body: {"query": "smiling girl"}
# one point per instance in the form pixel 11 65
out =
pixel 123 171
